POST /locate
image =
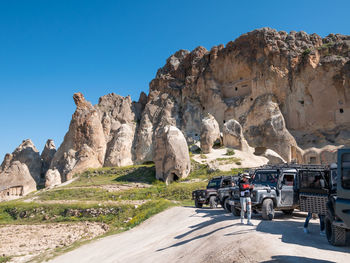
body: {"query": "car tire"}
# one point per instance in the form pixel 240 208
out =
pixel 212 202
pixel 197 204
pixel 336 235
pixel 288 212
pixel 267 209
pixel 236 211
pixel 227 206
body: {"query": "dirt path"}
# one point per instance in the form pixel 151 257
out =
pixel 186 234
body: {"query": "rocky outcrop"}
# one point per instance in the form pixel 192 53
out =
pixel 47 155
pixel 26 153
pixel 84 145
pixel 171 155
pixel 210 132
pixel 233 136
pixel 119 151
pixel 287 92
pixel 52 178
pixel 16 181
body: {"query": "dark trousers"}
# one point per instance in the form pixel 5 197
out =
pixel 309 215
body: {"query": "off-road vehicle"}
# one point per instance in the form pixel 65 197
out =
pixel 274 189
pixel 209 195
pixel 337 219
pixel 224 193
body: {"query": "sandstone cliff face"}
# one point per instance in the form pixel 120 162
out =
pixel 285 93
pixel 286 90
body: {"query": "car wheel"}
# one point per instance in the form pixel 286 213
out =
pixel 227 206
pixel 197 204
pixel 236 211
pixel 267 210
pixel 336 235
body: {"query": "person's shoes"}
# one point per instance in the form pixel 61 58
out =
pixel 322 233
pixel 250 223
pixel 306 231
pixel 242 223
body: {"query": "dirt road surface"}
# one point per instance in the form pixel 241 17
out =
pixel 186 234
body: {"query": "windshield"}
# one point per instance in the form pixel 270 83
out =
pixel 266 178
pixel 215 183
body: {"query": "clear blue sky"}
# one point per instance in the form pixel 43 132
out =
pixel 50 49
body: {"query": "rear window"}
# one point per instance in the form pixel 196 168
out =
pixel 312 179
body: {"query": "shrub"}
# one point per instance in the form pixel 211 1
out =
pixel 230 152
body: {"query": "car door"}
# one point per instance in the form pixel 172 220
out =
pixel 287 189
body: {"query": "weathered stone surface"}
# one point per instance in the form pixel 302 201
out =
pixel 119 151
pixel 171 155
pixel 233 136
pixel 47 155
pixel 27 154
pixel 16 181
pixel 52 178
pixel 273 157
pixel 84 145
pixel 210 132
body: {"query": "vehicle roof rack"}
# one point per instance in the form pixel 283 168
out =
pixel 295 166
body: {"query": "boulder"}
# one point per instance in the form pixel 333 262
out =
pixel 233 136
pixel 171 156
pixel 16 181
pixel 84 145
pixel 210 132
pixel 52 178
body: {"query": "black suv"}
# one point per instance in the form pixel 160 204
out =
pixel 209 195
pixel 337 219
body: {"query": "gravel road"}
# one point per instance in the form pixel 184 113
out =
pixel 187 234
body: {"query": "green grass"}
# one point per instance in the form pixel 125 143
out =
pixel 203 156
pixel 175 191
pixel 4 259
pixel 116 175
pixel 230 160
pixel 230 152
pixel 326 46
pixel 116 216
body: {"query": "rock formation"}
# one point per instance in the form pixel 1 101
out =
pixel 52 178
pixel 26 153
pixel 171 155
pixel 233 135
pixel 84 145
pixel 16 181
pixel 210 132
pixel 47 156
pixel 287 92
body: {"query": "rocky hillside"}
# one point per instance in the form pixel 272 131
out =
pixel 267 91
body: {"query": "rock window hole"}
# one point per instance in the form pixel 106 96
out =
pixel 174 177
pixel 251 99
pixel 236 88
pixel 341 110
pixel 203 108
pixel 224 121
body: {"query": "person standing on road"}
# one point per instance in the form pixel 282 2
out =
pixel 245 189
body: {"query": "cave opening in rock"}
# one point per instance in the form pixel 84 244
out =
pixel 341 110
pixel 172 178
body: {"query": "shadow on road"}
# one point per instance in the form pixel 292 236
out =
pixel 292 259
pixel 216 216
pixel 291 231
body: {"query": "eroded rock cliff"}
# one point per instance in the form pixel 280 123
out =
pixel 281 93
